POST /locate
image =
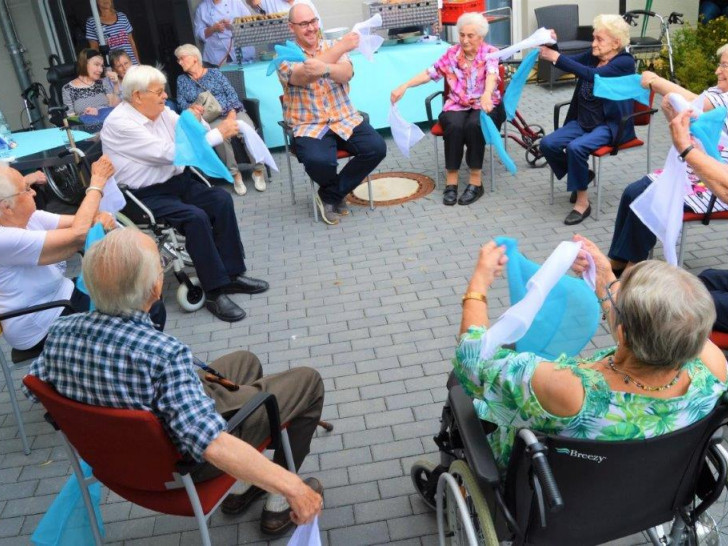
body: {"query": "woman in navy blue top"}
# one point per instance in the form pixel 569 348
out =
pixel 591 122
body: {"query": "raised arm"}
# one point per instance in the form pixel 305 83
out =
pixel 475 303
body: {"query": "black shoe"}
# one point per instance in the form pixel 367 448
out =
pixel 245 285
pixel 471 194
pixel 238 503
pixel 450 196
pixel 224 308
pixel 576 217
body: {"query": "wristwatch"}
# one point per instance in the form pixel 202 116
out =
pixel 685 153
pixel 326 73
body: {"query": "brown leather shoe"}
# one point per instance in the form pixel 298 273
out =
pixel 237 503
pixel 277 523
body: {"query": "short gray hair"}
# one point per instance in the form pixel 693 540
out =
pixel 120 272
pixel 188 49
pixel 139 78
pixel 666 314
pixel 722 49
pixel 7 186
pixel 615 26
pixel 473 18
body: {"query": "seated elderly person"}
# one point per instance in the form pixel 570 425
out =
pixel 194 87
pixel 663 364
pixel 632 240
pixel 34 245
pixel 120 62
pixel 91 90
pixel 142 368
pixel 317 107
pixel 591 122
pixel 138 136
pixel 472 84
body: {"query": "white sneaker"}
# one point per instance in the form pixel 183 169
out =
pixel 259 180
pixel 239 185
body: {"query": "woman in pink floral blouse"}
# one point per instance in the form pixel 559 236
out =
pixel 471 85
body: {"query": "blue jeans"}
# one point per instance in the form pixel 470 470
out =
pixel 319 159
pixel 567 152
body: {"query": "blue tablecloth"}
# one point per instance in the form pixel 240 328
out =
pixel 370 87
pixel 32 142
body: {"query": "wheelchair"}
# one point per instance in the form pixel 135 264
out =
pixel 190 294
pixel 568 491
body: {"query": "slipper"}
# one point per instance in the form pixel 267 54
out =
pixel 576 217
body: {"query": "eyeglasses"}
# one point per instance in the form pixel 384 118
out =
pixel 723 66
pixel 158 92
pixel 305 24
pixel 28 189
pixel 611 299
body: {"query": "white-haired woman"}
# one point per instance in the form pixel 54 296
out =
pixel 196 80
pixel 471 81
pixel 591 122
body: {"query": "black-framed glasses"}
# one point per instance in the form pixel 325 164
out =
pixel 305 24
pixel 610 297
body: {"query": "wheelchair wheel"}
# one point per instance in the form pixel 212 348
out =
pixel 191 299
pixel 65 182
pixel 477 506
pixel 534 157
pixel 421 474
pixel 536 128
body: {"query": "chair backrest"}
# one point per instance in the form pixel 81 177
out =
pixel 563 18
pixel 612 489
pixel 645 118
pixel 58 75
pixel 129 448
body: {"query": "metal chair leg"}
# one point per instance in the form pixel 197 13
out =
pixel 313 199
pixel 597 183
pixel 551 180
pixel 437 163
pixel 371 192
pixel 14 403
pixel 492 170
pixel 681 248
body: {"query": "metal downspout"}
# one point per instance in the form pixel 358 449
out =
pixel 16 56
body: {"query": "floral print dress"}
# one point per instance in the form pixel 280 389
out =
pixel 501 388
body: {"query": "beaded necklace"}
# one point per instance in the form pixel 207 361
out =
pixel 629 379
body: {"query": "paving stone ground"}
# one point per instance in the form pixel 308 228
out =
pixel 374 305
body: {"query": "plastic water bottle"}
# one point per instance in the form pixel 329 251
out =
pixel 5 137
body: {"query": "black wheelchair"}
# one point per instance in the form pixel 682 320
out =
pixel 567 491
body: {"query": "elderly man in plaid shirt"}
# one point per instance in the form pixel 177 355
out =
pixel 316 105
pixel 114 357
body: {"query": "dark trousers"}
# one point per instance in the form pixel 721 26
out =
pixel 299 393
pixel 716 281
pixel 632 240
pixel 461 128
pixel 206 217
pixel 567 152
pixel 319 159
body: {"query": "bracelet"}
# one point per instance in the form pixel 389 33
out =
pixel 685 153
pixel 475 296
pixel 95 188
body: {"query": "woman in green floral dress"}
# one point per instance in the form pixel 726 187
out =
pixel 662 375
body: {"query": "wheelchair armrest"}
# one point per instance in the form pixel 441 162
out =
pixel 557 112
pixel 475 440
pixel 138 202
pixel 584 32
pixel 36 308
pixel 187 466
pixel 428 106
pixel 623 123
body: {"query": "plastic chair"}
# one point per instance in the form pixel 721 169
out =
pixel 436 129
pixel 290 145
pixel 720 339
pixel 642 115
pixel 568 491
pixel 20 358
pixel 132 455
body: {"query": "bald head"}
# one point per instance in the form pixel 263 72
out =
pixel 300 12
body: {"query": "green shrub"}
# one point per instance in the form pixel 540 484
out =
pixel 693 53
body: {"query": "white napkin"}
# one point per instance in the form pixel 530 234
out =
pixel 541 37
pixel 368 42
pixel 515 322
pixel 306 535
pixel 256 146
pixel 113 200
pixel 404 133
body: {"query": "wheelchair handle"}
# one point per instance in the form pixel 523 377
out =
pixel 640 12
pixel 543 471
pixel 675 18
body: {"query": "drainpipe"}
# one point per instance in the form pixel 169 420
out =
pixel 99 30
pixel 16 56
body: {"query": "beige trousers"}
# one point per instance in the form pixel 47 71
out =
pixel 225 150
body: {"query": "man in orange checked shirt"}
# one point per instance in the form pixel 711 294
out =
pixel 316 106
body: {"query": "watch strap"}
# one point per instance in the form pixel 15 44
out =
pixel 685 152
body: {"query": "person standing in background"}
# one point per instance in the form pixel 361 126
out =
pixel 213 27
pixel 116 28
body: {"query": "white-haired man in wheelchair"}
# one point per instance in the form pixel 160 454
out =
pixel 139 138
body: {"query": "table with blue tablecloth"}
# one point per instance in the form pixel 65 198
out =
pixel 32 142
pixel 370 88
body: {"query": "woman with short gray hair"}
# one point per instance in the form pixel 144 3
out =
pixel 664 374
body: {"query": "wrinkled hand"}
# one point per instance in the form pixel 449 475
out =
pixel 101 170
pixel 38 177
pixel 548 54
pixel 397 93
pixel 113 78
pixel 603 267
pixel 486 103
pixel 91 111
pixel 680 130
pixel 197 111
pixel 229 127
pixel 107 220
pixel 305 504
pixel 350 40
pixel 490 265
pixel 313 68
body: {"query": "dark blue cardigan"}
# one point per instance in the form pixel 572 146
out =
pixel 584 67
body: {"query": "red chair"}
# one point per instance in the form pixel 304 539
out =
pixel 720 339
pixel 132 455
pixel 437 131
pixel 705 218
pixel 642 115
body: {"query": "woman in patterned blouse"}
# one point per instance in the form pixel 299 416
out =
pixel 91 90
pixel 196 80
pixel 664 373
pixel 471 85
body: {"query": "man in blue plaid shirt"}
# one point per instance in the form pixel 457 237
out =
pixel 114 357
